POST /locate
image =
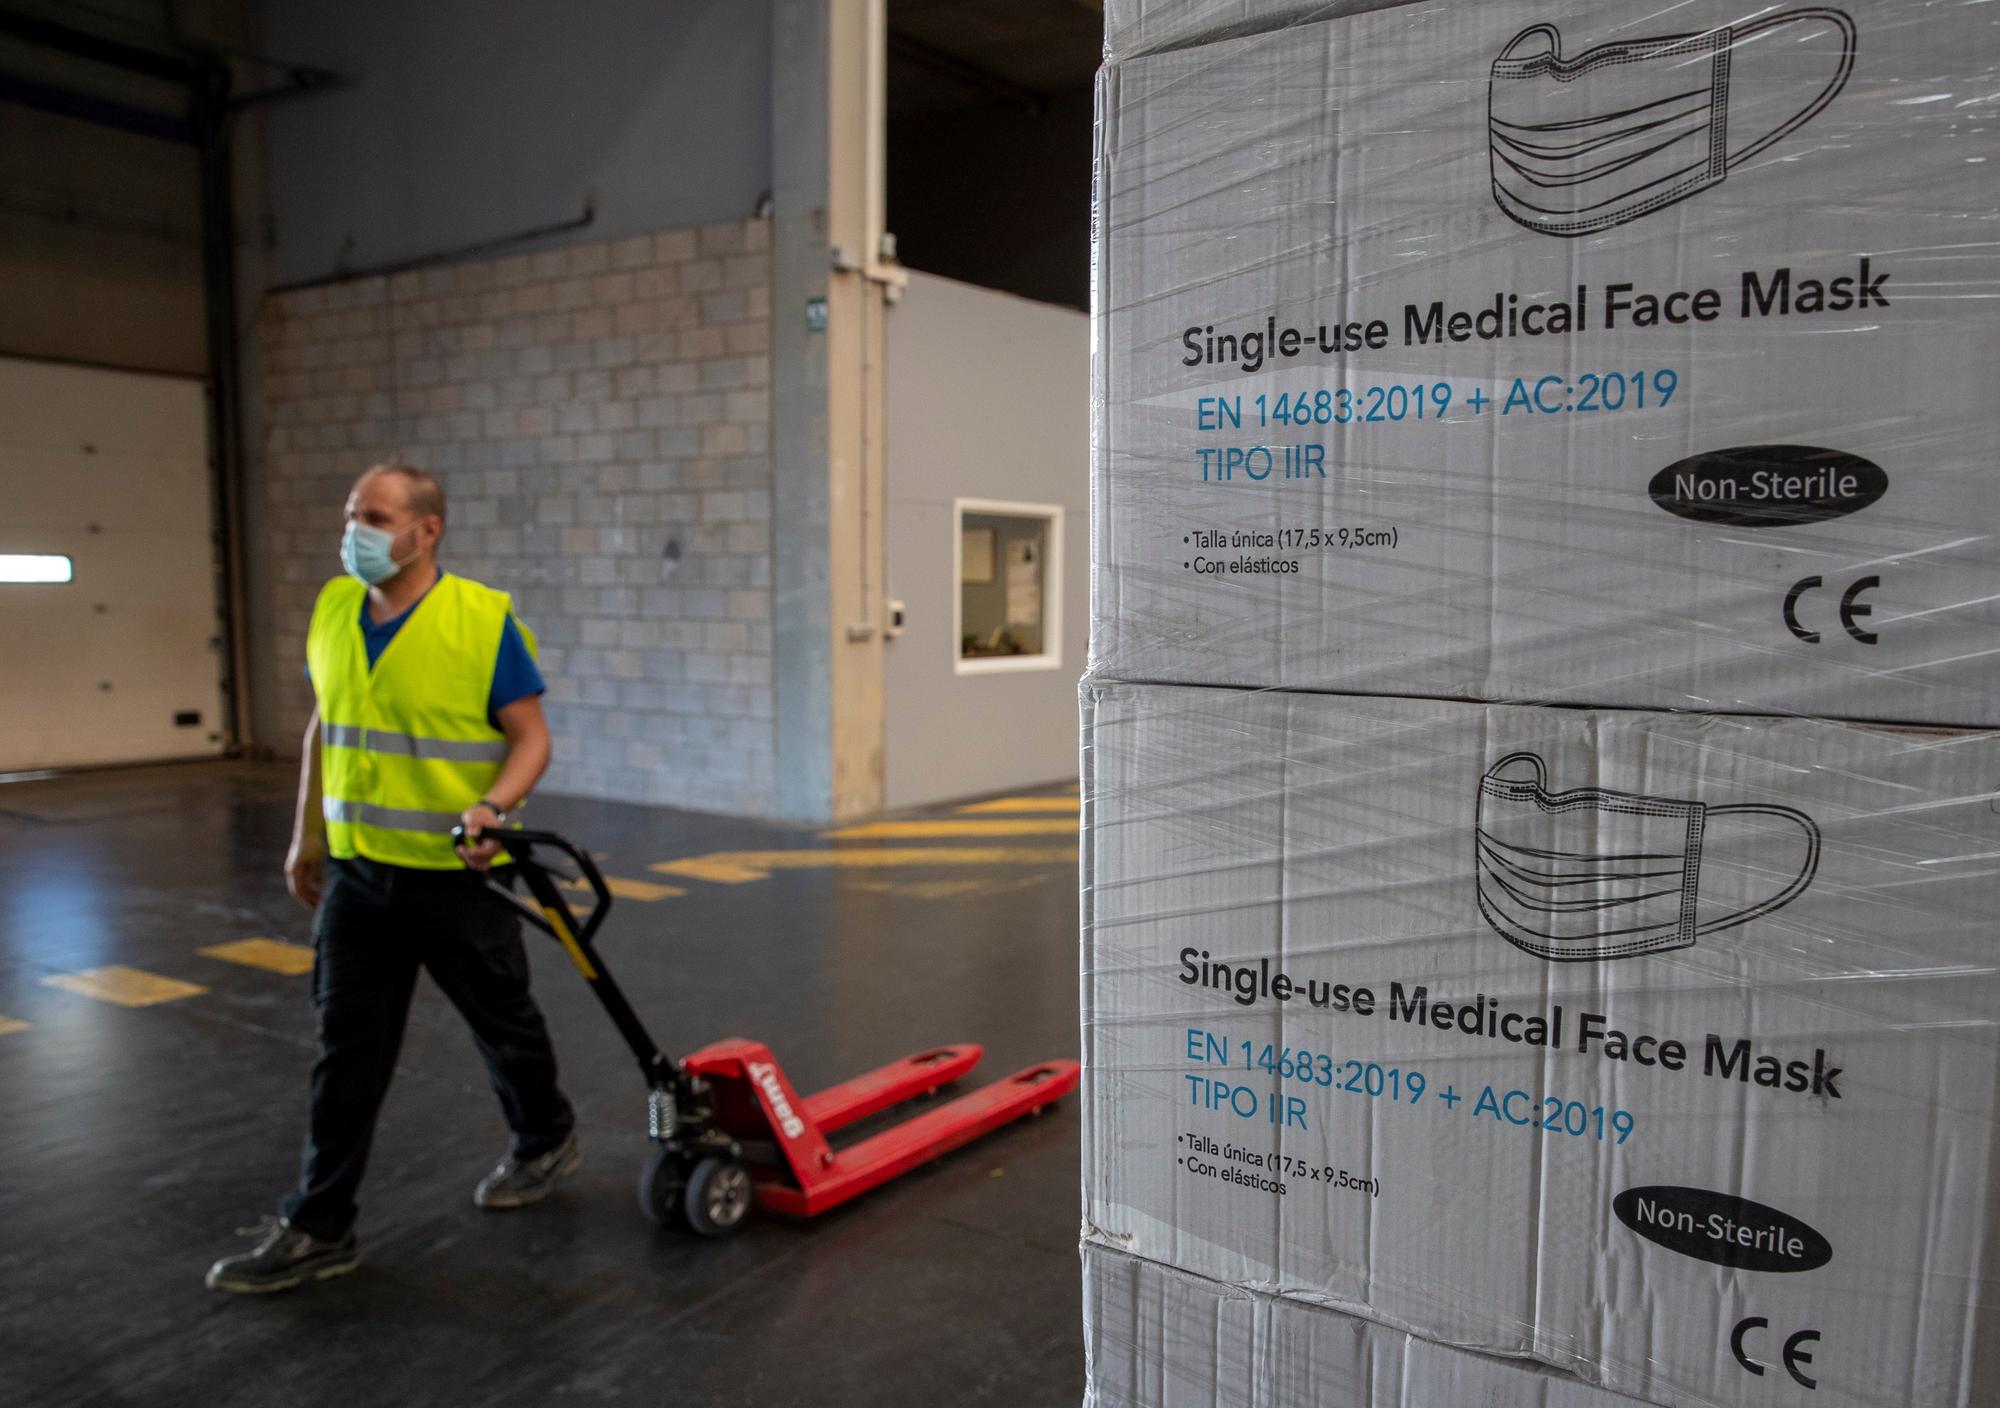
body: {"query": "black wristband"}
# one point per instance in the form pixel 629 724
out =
pixel 499 811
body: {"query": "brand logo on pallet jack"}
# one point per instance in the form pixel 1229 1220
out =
pixel 766 1076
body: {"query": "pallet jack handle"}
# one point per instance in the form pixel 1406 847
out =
pixel 549 911
pixel 520 848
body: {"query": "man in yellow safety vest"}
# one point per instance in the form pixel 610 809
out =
pixel 428 714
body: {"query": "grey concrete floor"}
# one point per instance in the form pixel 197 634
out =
pixel 134 1139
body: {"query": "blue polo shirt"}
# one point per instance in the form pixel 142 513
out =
pixel 515 676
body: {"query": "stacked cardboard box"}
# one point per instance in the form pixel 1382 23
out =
pixel 1542 802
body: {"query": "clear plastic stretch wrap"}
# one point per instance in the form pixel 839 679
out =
pixel 1611 353
pixel 1146 26
pixel 1565 1034
pixel 1541 910
pixel 1163 1339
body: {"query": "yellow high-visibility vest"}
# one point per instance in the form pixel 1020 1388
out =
pixel 405 747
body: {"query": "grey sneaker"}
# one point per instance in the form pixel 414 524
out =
pixel 514 1183
pixel 284 1257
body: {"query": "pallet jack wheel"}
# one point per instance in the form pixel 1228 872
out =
pixel 718 1197
pixel 662 1189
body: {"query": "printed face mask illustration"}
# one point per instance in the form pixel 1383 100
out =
pixel 1624 129
pixel 1593 874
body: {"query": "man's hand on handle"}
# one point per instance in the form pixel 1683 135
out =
pixel 477 818
pixel 527 759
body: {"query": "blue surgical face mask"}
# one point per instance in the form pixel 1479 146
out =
pixel 369 553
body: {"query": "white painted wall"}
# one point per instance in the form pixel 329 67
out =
pixel 989 398
pixel 109 468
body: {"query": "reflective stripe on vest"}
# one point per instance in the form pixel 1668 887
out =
pixel 377 740
pixel 393 818
pixel 405 744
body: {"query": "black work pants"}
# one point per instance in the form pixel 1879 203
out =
pixel 376 926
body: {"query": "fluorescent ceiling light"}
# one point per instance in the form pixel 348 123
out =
pixel 34 567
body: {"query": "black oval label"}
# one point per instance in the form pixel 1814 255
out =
pixel 1768 486
pixel 1722 1228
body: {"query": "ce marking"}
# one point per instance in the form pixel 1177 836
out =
pixel 1851 608
pixel 1794 1353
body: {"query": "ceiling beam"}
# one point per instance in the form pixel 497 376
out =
pixel 67 102
pixel 966 74
pixel 111 52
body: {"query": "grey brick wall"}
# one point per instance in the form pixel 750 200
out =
pixel 600 419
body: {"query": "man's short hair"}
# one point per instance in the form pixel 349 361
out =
pixel 424 494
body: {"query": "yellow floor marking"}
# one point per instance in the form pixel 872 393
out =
pixel 741 867
pixel 975 888
pixel 127 987
pixel 939 830
pixel 10 1025
pixel 1023 804
pixel 273 954
pixel 621 888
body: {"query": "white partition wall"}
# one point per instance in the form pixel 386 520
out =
pixel 988 469
pixel 108 624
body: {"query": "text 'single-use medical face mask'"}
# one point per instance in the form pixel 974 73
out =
pixel 1624 129
pixel 1593 874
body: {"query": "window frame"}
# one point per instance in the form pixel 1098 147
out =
pixel 1050 657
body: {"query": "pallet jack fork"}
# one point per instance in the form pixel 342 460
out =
pixel 728 1127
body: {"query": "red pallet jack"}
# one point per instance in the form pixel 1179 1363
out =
pixel 728 1127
